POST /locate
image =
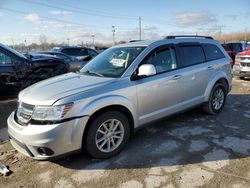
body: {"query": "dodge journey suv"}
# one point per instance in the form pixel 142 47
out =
pixel 118 91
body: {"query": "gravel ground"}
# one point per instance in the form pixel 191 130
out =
pixel 192 149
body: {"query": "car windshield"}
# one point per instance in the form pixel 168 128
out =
pixel 14 51
pixel 112 62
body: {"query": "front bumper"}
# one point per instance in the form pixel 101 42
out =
pixel 61 138
pixel 241 71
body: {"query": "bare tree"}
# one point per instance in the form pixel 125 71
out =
pixel 43 42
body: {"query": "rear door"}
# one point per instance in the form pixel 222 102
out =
pixel 199 62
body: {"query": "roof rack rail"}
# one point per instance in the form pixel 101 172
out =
pixel 185 36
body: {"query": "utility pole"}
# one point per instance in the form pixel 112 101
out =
pixel 139 28
pixel 93 40
pixel 220 32
pixel 12 42
pixel 68 41
pixel 25 45
pixel 245 35
pixel 113 31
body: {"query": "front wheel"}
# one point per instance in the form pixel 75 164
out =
pixel 107 135
pixel 216 100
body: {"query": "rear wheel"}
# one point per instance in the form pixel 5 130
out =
pixel 216 100
pixel 107 135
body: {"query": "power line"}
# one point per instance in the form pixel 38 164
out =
pixel 54 19
pixel 102 12
pixel 66 22
pixel 78 11
pixel 98 13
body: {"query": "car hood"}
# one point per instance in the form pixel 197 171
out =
pixel 244 53
pixel 47 92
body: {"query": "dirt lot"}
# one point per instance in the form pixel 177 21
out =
pixel 188 150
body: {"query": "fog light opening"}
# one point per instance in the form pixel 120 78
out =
pixel 45 151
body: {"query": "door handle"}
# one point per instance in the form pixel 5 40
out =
pixel 210 67
pixel 176 77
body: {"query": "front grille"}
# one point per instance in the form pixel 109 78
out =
pixel 245 64
pixel 24 113
pixel 244 58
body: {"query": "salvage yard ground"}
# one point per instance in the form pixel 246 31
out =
pixel 188 150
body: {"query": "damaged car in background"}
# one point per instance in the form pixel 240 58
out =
pixel 82 53
pixel 18 71
pixel 74 64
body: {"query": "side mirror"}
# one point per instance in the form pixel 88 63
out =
pixel 146 70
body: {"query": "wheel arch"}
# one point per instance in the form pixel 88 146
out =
pixel 115 107
pixel 220 77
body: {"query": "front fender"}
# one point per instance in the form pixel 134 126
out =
pixel 215 78
pixel 106 101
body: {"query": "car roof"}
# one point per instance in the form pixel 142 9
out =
pixel 74 47
pixel 50 52
pixel 233 42
pixel 167 41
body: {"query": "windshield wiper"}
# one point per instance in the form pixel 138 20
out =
pixel 93 73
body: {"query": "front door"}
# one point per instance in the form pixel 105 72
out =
pixel 161 94
pixel 8 85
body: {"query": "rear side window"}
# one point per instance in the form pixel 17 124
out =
pixel 75 51
pixel 227 47
pixel 212 52
pixel 192 55
pixel 68 51
pixel 82 52
pixel 237 47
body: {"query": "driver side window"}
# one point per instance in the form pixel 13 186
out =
pixel 4 59
pixel 164 60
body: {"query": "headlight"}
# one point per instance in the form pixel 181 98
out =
pixel 238 58
pixel 51 113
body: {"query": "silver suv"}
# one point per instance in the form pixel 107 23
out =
pixel 118 91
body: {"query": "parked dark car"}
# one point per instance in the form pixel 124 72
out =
pixel 74 63
pixel 81 53
pixel 100 50
pixel 233 48
pixel 18 71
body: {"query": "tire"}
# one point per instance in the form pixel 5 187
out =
pixel 100 130
pixel 210 106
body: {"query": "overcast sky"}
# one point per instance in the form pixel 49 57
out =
pixel 77 20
